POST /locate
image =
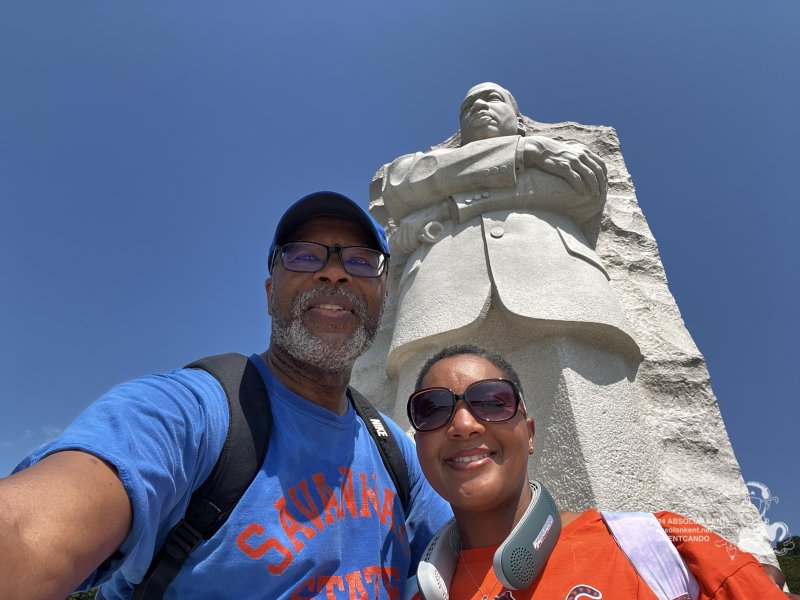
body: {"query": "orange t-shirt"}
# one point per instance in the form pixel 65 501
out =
pixel 587 563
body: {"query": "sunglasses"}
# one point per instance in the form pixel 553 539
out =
pixel 490 400
pixel 310 257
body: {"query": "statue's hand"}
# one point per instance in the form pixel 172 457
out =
pixel 405 239
pixel 418 227
pixel 573 162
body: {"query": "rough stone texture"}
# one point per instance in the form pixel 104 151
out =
pixel 685 462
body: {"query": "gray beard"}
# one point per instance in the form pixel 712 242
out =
pixel 334 356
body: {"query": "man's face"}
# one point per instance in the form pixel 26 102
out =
pixel 487 112
pixel 329 318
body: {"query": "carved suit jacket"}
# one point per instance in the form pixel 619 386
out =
pixel 515 230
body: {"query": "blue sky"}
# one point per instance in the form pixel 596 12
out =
pixel 147 149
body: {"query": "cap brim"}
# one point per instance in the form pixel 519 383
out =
pixel 327 204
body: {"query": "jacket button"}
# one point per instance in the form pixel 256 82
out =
pixel 496 232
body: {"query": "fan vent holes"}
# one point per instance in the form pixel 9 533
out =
pixel 522 563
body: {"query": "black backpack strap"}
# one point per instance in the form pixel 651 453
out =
pixel 239 462
pixel 387 445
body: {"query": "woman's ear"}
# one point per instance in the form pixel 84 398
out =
pixel 531 432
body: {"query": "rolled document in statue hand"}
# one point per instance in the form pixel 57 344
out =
pixel 431 232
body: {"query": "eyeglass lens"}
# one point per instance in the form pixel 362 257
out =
pixel 489 400
pixel 310 257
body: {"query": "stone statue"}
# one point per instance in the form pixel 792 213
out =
pixel 503 213
pixel 497 238
pixel 497 235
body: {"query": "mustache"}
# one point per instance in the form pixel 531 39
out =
pixel 304 300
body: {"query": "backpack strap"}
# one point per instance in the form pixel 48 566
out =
pixel 239 462
pixel 387 445
pixel 655 558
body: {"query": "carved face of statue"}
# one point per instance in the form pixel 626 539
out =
pixel 486 112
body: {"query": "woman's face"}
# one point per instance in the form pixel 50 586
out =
pixel 474 465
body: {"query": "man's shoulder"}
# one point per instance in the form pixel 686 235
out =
pixel 181 391
pixel 177 401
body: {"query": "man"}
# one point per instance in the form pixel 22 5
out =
pixel 320 518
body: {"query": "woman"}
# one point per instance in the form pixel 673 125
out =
pixel 473 439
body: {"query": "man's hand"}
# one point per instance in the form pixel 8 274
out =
pixel 573 162
pixel 59 519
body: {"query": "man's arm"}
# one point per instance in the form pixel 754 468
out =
pixel 59 520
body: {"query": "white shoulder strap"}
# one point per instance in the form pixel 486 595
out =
pixel 652 554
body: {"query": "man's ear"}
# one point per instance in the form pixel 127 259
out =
pixel 268 288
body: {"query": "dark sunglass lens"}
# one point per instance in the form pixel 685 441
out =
pixel 493 400
pixel 363 262
pixel 304 256
pixel 431 409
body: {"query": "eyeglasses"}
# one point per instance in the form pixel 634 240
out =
pixel 310 257
pixel 490 400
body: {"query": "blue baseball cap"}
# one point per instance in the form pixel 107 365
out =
pixel 327 204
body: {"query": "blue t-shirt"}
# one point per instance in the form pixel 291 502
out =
pixel 321 518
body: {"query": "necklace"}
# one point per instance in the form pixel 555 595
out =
pixel 475 583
